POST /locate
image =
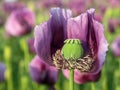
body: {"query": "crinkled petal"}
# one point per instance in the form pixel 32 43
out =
pixel 58 22
pixel 50 35
pixel 42 73
pixel 42 42
pixel 77 27
pixel 88 30
pixel 102 45
pixel 81 78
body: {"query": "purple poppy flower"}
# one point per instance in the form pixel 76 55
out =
pixel 20 22
pixel 12 6
pixel 114 3
pixel 116 46
pixel 1 21
pixel 31 45
pixel 111 25
pixel 42 73
pixel 49 37
pixel 77 6
pixel 51 3
pixel 98 17
pixel 2 72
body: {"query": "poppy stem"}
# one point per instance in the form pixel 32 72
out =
pixel 119 64
pixel 71 81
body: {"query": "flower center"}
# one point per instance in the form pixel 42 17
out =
pixel 72 49
pixel 71 57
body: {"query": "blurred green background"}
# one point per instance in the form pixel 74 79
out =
pixel 15 54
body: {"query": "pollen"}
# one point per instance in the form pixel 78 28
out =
pixel 84 64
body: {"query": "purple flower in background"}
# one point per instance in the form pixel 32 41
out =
pixel 42 73
pixel 12 6
pixel 2 72
pixel 98 17
pixel 51 3
pixel 114 3
pixel 116 46
pixel 31 45
pixel 111 25
pixel 50 35
pixel 77 6
pixel 20 22
pixel 1 21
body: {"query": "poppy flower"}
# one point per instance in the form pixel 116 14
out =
pixel 42 73
pixel 50 3
pixel 77 6
pixel 114 3
pixel 31 45
pixel 50 36
pixel 116 46
pixel 2 72
pixel 20 22
pixel 12 6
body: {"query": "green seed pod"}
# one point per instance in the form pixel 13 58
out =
pixel 72 49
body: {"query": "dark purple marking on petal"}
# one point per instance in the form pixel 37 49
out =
pixel 91 36
pixel 58 23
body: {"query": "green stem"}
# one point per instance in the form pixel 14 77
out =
pixel 71 79
pixel 92 86
pixel 119 64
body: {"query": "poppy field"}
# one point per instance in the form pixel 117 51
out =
pixel 45 44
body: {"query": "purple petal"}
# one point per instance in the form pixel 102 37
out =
pixel 42 73
pixel 31 45
pixel 116 46
pixel 42 42
pixel 77 27
pixel 2 72
pixel 53 75
pixel 50 35
pixel 58 22
pixel 88 30
pixel 20 22
pixel 81 78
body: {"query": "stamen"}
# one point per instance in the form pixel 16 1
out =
pixel 84 64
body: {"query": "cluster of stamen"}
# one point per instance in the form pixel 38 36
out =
pixel 83 64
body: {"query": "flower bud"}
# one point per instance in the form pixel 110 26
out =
pixel 2 71
pixel 72 49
